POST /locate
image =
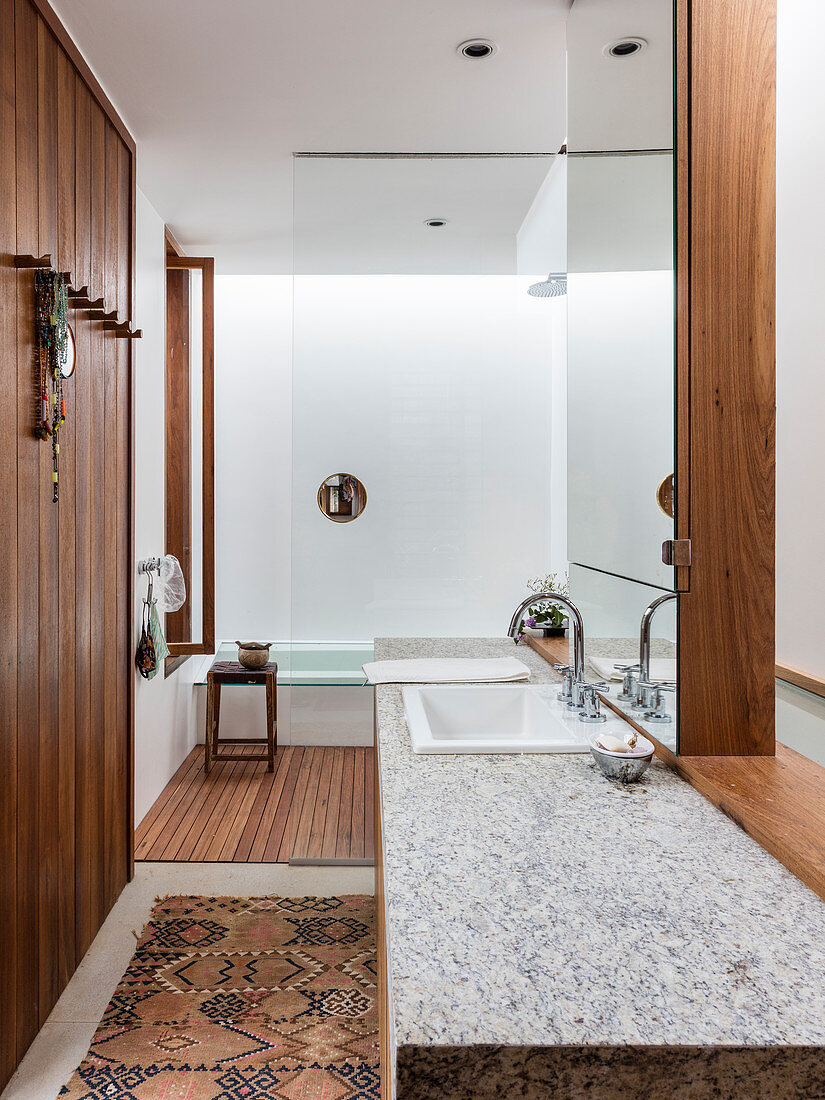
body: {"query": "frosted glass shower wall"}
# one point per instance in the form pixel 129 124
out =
pixel 435 391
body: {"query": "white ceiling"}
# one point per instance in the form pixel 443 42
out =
pixel 220 96
pixel 620 103
pixel 367 216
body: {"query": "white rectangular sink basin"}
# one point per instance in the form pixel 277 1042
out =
pixel 482 718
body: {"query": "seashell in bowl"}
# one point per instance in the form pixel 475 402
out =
pixel 253 654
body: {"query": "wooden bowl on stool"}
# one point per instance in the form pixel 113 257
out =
pixel 253 654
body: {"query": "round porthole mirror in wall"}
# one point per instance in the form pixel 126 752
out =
pixel 342 498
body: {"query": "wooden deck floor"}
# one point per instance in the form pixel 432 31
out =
pixel 312 807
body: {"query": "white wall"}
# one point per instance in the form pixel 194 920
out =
pixel 253 464
pixel 436 392
pixel 165 726
pixel 800 348
pixel 542 246
pixel 800 343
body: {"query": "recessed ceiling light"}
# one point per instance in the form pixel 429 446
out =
pixel 625 47
pixel 476 48
pixel 436 223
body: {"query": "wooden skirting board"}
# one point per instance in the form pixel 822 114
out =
pixel 778 800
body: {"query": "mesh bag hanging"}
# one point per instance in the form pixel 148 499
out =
pixel 170 588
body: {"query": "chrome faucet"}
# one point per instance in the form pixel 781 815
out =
pixel 575 615
pixel 644 634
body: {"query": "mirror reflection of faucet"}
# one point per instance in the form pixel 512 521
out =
pixel 629 683
pixel 657 712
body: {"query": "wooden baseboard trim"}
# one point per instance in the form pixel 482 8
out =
pixel 801 680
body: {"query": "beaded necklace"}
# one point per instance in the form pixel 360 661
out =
pixel 52 300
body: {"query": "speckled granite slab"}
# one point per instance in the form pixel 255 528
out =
pixel 541 921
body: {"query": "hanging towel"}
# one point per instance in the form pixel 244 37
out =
pixel 447 670
pixel 156 631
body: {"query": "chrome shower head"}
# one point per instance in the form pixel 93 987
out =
pixel 554 286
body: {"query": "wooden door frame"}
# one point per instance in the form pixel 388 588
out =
pixel 725 60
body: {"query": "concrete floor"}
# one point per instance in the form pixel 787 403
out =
pixel 65 1037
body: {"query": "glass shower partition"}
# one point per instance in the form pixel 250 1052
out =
pixel 425 386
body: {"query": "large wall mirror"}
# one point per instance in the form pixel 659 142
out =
pixel 621 342
pixel 189 455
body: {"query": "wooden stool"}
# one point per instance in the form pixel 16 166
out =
pixel 231 672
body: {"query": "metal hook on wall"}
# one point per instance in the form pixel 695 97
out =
pixel 149 566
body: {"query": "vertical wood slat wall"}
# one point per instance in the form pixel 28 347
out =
pixel 66 188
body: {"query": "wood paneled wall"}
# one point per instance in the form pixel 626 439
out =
pixel 66 188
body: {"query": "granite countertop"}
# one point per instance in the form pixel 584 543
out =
pixel 551 931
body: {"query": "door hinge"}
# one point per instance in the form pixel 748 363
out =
pixel 676 552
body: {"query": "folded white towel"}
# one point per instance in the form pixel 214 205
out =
pixel 662 669
pixel 446 670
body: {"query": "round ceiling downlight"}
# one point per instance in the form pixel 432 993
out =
pixel 477 48
pixel 436 223
pixel 625 47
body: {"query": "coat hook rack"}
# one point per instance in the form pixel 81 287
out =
pixel 81 292
pixel 148 565
pixel 33 261
pixel 84 302
pixel 102 315
pixel 123 329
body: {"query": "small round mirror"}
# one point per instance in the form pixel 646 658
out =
pixel 67 368
pixel 342 497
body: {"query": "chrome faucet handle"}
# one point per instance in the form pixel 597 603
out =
pixel 582 686
pixel 645 693
pixel 566 693
pixel 657 712
pixel 628 692
pixel 591 711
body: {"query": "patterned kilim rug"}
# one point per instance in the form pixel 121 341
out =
pixel 242 999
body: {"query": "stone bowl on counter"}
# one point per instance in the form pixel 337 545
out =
pixel 624 767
